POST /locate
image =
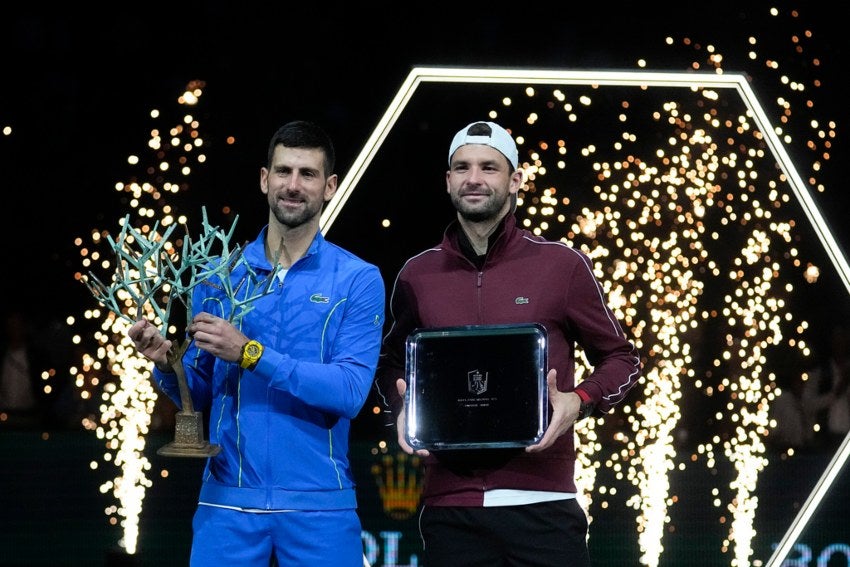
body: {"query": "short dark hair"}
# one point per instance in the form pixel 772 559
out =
pixel 304 134
pixel 480 129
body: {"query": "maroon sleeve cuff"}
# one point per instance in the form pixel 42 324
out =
pixel 585 397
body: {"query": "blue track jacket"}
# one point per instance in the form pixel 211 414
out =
pixel 284 427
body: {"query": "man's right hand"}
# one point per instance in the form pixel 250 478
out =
pixel 400 423
pixel 150 343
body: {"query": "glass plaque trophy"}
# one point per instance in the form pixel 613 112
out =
pixel 476 386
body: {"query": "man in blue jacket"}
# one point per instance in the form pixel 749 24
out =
pixel 506 506
pixel 283 384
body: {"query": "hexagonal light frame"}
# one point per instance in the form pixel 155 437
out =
pixel 644 79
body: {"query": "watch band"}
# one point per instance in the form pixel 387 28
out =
pixel 252 351
pixel 587 406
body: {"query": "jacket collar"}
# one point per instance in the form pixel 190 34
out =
pixel 457 239
pixel 255 251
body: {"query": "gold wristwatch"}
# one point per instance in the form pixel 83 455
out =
pixel 251 353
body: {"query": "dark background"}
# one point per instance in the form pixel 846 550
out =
pixel 78 85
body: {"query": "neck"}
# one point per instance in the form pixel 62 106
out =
pixel 479 233
pixel 285 245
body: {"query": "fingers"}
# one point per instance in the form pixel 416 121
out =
pixel 144 335
pixel 149 342
pixel 558 424
pixel 543 444
pixel 212 326
pixel 552 432
pixel 402 443
pixel 217 336
pixel 401 424
pixel 203 318
pixel 154 346
pixel 137 329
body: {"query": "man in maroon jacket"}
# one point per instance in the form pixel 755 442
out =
pixel 506 506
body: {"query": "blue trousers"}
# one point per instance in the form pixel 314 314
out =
pixel 222 536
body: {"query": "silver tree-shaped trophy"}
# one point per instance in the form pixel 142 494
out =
pixel 151 278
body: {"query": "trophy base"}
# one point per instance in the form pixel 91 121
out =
pixel 175 449
pixel 189 438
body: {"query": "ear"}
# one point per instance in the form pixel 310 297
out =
pixel 330 187
pixel 516 181
pixel 264 181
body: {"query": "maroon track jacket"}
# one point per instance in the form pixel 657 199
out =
pixel 524 279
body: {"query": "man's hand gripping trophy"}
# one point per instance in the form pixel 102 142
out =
pixel 151 278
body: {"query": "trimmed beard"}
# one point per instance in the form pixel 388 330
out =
pixel 489 210
pixel 295 219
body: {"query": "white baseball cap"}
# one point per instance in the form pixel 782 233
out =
pixel 498 139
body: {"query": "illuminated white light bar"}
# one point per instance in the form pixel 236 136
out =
pixel 812 502
pixel 690 80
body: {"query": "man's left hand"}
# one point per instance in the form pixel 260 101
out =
pixel 565 411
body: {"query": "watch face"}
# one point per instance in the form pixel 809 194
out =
pixel 252 350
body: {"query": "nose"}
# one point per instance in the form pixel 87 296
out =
pixel 475 175
pixel 295 181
